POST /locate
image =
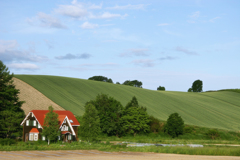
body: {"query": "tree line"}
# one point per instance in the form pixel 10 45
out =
pixel 106 115
pixel 196 86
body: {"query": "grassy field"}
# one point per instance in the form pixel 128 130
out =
pixel 209 109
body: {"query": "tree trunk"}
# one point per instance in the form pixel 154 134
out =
pixel 48 141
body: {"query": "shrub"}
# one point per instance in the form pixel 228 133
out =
pixel 7 141
pixel 188 129
pixel 174 126
pixel 213 134
pixel 155 125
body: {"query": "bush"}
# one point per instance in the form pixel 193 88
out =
pixel 174 126
pixel 155 125
pixel 7 141
pixel 213 134
pixel 188 129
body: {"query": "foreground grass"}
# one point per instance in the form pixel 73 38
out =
pixel 211 109
pixel 206 150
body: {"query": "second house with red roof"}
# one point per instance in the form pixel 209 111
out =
pixel 33 125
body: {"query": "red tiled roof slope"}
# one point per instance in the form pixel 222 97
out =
pixel 34 130
pixel 40 114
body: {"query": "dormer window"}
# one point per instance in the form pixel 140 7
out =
pixel 27 122
pixel 71 121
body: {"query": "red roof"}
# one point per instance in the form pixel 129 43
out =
pixel 40 114
pixel 34 130
pixel 65 132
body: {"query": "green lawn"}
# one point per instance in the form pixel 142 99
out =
pixel 209 109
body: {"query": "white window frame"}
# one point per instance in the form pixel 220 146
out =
pixel 31 136
pixel 34 123
pixel 43 138
pixel 69 137
pixel 66 128
pixel 39 126
pixel 27 122
pixel 35 137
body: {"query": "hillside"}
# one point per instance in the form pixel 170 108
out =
pixel 34 99
pixel 209 109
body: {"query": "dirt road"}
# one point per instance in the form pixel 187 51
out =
pixel 100 155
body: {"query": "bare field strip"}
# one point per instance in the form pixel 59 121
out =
pixel 33 98
pixel 100 155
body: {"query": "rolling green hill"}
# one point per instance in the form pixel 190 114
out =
pixel 209 109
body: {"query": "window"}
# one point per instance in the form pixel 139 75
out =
pixel 66 128
pixel 31 137
pixel 35 137
pixel 43 138
pixel 69 137
pixel 39 126
pixel 71 121
pixel 34 122
pixel 27 122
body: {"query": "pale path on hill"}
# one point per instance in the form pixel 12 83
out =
pixel 34 100
pixel 101 155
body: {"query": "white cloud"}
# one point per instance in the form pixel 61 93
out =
pixel 87 25
pixel 135 52
pixel 107 15
pixel 76 10
pixel 94 6
pixel 163 24
pixel 144 62
pixel 27 66
pixel 129 6
pixel 195 14
pixel 213 19
pixel 180 49
pixel 7 45
pixel 9 53
pixel 46 20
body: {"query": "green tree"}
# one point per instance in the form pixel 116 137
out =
pixel 161 88
pixel 90 126
pixel 101 78
pixel 190 90
pixel 134 83
pixel 9 124
pixel 174 126
pixel 197 86
pixel 50 125
pixel 109 111
pixel 9 102
pixel 135 118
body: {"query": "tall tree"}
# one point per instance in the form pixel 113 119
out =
pixel 135 118
pixel 109 111
pixel 161 88
pixel 197 86
pixel 9 103
pixel 90 126
pixel 50 125
pixel 101 78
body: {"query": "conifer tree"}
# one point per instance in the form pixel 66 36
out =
pixel 90 127
pixel 10 105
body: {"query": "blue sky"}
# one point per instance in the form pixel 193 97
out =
pixel 166 43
